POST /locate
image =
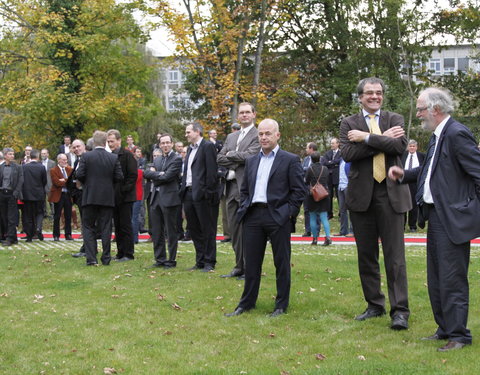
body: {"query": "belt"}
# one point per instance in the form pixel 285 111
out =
pixel 259 205
pixel 6 191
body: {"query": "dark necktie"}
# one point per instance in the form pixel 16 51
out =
pixel 410 163
pixel 426 165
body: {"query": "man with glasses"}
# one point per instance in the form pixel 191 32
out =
pixel 373 140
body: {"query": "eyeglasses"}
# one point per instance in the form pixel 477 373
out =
pixel 371 93
pixel 421 109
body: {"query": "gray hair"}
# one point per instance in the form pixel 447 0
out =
pixel 8 149
pixel 438 98
pixel 34 154
pixel 197 127
pixel 412 142
pixel 99 139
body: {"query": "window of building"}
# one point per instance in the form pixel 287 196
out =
pixel 448 66
pixel 462 64
pixel 173 76
pixel 434 65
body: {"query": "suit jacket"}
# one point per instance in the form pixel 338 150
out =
pixel 57 185
pixel 125 191
pixel 455 182
pixel 98 171
pixel 165 179
pixel 286 189
pixel 332 164
pixel 16 179
pixel 34 181
pixel 204 173
pixel 360 178
pixel 307 161
pixel 50 165
pixel 420 156
pixel 248 147
pixel 218 145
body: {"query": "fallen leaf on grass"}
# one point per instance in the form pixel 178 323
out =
pixel 111 349
pixel 109 371
pixel 4 294
pixel 151 276
pixel 313 289
pixel 320 356
pixel 160 297
pixel 176 307
pixel 255 341
pixel 168 333
pixel 115 296
pixel 74 350
pixel 444 361
pixel 218 298
pixel 361 358
pixel 272 335
pixel 38 296
pixel 128 275
pixel 283 372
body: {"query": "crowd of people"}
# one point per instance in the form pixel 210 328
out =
pixel 381 181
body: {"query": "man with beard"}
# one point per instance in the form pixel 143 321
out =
pixel 448 197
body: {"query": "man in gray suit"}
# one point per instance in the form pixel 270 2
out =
pixel 238 147
pixel 165 202
pixel 47 164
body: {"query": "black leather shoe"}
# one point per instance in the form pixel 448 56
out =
pixel 226 240
pixel 194 268
pixel 327 242
pixel 28 239
pixel 314 242
pixel 79 255
pixel 124 259
pixel 307 234
pixel 68 237
pixel 277 312
pixel 40 236
pixel 207 269
pixel 168 266
pixel 434 337
pixel 241 277
pixel 56 238
pixel 156 265
pixel 92 264
pixel 370 313
pixel 451 345
pixel 399 322
pixel 8 243
pixel 238 311
pixel 232 274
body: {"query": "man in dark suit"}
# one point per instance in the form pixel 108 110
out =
pixel 165 202
pixel 331 160
pixel 412 159
pixel 65 147
pixel 11 184
pixel 98 171
pixel 60 196
pixel 373 140
pixel 212 137
pixel 449 198
pixel 239 146
pixel 125 195
pixel 201 196
pixel 78 148
pixel 272 192
pixel 34 182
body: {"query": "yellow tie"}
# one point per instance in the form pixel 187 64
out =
pixel 379 173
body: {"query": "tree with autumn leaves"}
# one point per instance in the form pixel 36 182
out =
pixel 70 67
pixel 300 60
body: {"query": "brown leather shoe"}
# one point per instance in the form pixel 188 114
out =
pixel 451 345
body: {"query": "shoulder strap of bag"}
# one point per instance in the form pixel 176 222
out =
pixel 320 174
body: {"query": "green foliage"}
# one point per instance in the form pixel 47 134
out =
pixel 70 67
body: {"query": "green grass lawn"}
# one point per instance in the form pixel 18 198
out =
pixel 60 317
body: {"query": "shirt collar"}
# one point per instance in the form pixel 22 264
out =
pixel 197 144
pixel 439 129
pixel 247 129
pixel 272 154
pixel 366 114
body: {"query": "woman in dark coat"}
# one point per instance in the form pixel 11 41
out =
pixel 318 210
